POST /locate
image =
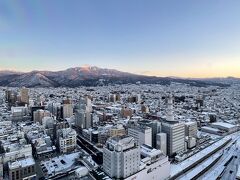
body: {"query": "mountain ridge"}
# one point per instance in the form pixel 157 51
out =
pixel 87 76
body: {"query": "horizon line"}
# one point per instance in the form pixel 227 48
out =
pixel 136 73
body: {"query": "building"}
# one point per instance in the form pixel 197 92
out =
pixel 155 125
pixel 142 134
pixel 174 130
pixel 162 142
pixel 83 119
pixel 121 157
pixel 38 115
pixel 18 113
pixel 175 136
pixel 57 166
pixel 83 115
pixel 15 151
pixel 23 169
pixel 117 130
pixel 126 112
pixel 67 111
pixel 191 129
pixel 154 165
pixel 67 140
pixel 24 95
pixel 229 128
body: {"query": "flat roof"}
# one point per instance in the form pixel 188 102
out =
pixel 223 124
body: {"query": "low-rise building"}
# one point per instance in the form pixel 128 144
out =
pixel 23 169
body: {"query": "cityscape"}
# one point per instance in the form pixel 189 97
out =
pixel 119 90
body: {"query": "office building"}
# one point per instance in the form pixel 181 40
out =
pixel 162 142
pixel 24 95
pixel 121 157
pixel 38 115
pixel 142 134
pixel 175 136
pixel 67 111
pixel 191 129
pixel 155 125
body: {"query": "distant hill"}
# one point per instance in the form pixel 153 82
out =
pixel 89 76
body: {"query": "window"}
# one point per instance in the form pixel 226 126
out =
pixel 33 169
pixel 13 175
pixel 29 169
pixel 17 174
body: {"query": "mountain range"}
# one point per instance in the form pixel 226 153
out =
pixel 89 76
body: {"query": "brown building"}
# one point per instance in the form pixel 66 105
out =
pixel 23 169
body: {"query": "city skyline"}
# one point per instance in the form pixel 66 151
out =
pixel 183 39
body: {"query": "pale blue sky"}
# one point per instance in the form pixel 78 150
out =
pixel 155 37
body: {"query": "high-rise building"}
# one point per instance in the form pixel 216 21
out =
pixel 162 142
pixel 83 115
pixel 67 111
pixel 175 136
pixel 24 95
pixel 175 131
pixel 170 115
pixel 155 125
pixel 121 157
pixel 142 134
pixel 83 119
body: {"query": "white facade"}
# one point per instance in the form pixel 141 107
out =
pixel 159 170
pixel 191 129
pixel 143 135
pixel 121 157
pixel 162 142
pixel 175 136
pixel 154 165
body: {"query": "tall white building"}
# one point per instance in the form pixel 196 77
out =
pixel 121 157
pixel 83 115
pixel 142 134
pixel 162 142
pixel 175 136
pixel 170 115
pixel 175 131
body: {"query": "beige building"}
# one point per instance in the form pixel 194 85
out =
pixel 23 169
pixel 118 130
pixel 24 95
pixel 40 114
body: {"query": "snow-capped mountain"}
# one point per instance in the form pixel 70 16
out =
pixel 85 76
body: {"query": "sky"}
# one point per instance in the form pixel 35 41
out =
pixel 187 38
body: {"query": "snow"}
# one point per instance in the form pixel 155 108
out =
pixel 177 168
